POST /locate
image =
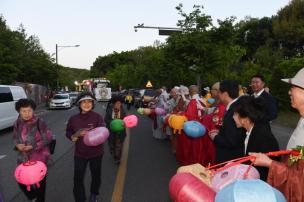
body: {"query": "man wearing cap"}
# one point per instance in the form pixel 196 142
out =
pixel 287 176
pixel 77 127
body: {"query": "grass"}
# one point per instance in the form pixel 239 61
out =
pixel 287 118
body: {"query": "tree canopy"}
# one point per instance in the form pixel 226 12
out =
pixel 204 53
pixel 23 59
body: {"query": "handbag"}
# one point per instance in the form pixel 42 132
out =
pixel 52 146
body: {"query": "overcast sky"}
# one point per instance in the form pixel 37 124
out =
pixel 103 26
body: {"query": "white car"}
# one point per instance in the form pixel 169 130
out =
pixel 60 101
pixel 73 97
pixel 9 95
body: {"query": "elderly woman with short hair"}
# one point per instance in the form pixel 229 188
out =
pixel 31 138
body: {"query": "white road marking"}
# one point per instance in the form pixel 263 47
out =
pixel 2 156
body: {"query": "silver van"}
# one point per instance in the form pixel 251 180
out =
pixel 9 95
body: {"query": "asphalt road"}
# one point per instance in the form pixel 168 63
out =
pixel 149 164
pixel 149 168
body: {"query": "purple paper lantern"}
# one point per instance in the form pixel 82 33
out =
pixel 232 174
pixel 160 111
pixel 96 136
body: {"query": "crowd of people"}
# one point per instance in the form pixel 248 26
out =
pixel 237 124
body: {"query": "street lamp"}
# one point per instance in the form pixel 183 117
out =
pixel 58 46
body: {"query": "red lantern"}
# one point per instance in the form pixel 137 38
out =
pixel 30 173
pixel 184 187
pixel 130 121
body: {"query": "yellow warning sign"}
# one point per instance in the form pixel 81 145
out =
pixel 149 84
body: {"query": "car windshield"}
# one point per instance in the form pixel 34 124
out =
pixel 57 97
pixel 150 92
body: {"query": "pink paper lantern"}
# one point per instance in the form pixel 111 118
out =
pixel 96 136
pixel 232 174
pixel 160 111
pixel 185 187
pixel 30 173
pixel 130 121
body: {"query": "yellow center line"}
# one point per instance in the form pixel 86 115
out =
pixel 121 174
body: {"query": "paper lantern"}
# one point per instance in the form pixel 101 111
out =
pixel 249 191
pixel 170 119
pixel 140 111
pixel 184 187
pixel 130 121
pixel 198 171
pixel 194 129
pixel 96 136
pixel 232 174
pixel 211 101
pixel 177 123
pixel 30 173
pixel 160 111
pixel 117 125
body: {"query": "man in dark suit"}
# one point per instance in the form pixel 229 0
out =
pixel 228 140
pixel 257 85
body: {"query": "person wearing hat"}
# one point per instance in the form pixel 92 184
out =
pixel 77 127
pixel 288 175
pixel 115 111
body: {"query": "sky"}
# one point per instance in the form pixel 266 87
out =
pixel 101 27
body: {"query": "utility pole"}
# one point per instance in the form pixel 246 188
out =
pixel 57 66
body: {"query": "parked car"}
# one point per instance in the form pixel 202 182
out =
pixel 9 95
pixel 60 101
pixel 73 97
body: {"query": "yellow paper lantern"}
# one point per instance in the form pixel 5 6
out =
pixel 177 123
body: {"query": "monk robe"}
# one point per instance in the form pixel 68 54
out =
pixel 191 150
pixel 211 122
pixel 288 179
